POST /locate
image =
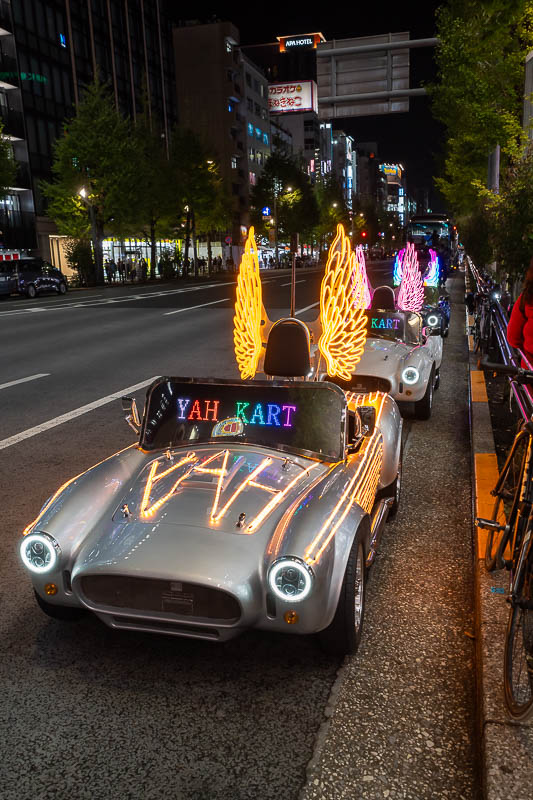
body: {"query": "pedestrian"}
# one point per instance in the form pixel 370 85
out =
pixel 121 270
pixel 520 327
pixel 112 270
pixel 144 269
pixel 107 270
pixel 129 267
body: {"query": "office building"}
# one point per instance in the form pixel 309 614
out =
pixel 223 97
pixel 49 51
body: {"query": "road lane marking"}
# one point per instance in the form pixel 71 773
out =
pixel 70 415
pixel 289 283
pixel 24 380
pixel 190 308
pixel 301 311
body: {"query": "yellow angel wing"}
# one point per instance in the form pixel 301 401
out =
pixel 249 311
pixel 342 307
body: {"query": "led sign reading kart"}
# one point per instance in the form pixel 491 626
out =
pixel 252 414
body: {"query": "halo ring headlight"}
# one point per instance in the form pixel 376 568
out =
pixel 39 552
pixel 410 375
pixel 432 320
pixel 290 579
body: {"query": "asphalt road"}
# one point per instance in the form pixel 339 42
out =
pixel 89 712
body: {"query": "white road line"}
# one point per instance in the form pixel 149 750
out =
pixel 301 311
pixel 24 380
pixel 190 308
pixel 289 283
pixel 77 412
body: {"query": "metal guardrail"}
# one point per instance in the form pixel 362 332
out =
pixel 511 356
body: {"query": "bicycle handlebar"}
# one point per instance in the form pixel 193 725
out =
pixel 520 375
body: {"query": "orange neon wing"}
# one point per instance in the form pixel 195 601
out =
pixel 249 312
pixel 342 309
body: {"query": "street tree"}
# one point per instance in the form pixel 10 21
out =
pixel 193 173
pixel 153 195
pixel 284 187
pixel 480 88
pixel 214 216
pixel 332 210
pixel 93 171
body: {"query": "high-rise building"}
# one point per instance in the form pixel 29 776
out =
pixel 49 51
pixel 223 96
pixel 396 190
pixel 343 165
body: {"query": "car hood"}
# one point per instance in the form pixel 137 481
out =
pixel 381 357
pixel 198 503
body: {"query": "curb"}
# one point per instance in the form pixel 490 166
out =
pixel 506 748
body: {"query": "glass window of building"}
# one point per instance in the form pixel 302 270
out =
pixel 265 139
pixel 258 109
pixel 250 104
pixel 248 79
pixel 250 129
pixel 256 86
pixel 253 179
pixel 258 133
pixel 234 162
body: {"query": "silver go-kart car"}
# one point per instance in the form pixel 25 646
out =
pixel 244 504
pixel 401 355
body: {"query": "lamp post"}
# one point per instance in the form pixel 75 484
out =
pixel 91 211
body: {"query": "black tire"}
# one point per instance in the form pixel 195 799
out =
pixel 446 332
pixel 437 380
pixel 423 407
pixel 343 634
pixel 31 291
pixel 518 658
pixel 64 613
pixel 62 288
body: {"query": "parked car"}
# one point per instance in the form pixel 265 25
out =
pixel 30 277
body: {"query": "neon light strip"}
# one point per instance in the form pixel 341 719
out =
pixel 263 465
pixel 265 488
pixel 365 465
pixel 152 480
pixel 222 474
pixel 277 499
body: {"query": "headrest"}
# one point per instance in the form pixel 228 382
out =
pixel 288 348
pixel 383 298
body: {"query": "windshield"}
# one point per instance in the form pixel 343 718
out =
pixel 302 417
pixel 393 325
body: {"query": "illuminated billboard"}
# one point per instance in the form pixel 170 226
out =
pixel 294 96
pixel 392 171
pixel 305 41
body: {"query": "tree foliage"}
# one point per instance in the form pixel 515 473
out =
pixel 479 93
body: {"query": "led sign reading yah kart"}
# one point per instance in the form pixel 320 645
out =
pixel 244 504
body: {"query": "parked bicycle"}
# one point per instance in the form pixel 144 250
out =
pixel 510 546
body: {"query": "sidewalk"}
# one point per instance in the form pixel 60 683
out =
pixel 401 719
pixel 506 747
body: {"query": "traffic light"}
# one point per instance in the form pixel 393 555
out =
pixel 363 234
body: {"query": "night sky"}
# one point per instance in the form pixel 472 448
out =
pixel 415 139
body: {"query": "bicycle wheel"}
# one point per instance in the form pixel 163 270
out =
pixel 518 658
pixel 505 508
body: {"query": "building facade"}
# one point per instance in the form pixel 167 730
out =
pixel 223 97
pixel 51 50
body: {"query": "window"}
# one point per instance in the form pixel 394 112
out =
pixel 265 139
pixel 250 129
pixel 258 109
pixel 248 79
pixel 253 179
pixel 229 46
pixel 230 106
pixel 251 153
pixel 256 86
pixel 264 113
pixel 234 162
pixel 250 104
pixel 258 133
pixel 263 90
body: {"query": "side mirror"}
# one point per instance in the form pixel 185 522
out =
pixel 367 415
pixel 129 407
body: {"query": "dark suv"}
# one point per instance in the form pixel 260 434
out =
pixel 31 276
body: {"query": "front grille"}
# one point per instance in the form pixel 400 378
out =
pixel 164 626
pixel 168 597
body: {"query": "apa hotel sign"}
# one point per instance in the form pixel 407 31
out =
pixel 295 96
pixel 305 41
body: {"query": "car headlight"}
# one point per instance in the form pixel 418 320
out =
pixel 410 375
pixel 290 579
pixel 39 552
pixel 432 321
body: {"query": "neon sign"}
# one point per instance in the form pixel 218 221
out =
pixel 269 414
pixel 388 324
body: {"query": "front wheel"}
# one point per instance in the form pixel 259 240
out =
pixel 62 289
pixel 423 407
pixel 343 634
pixel 518 659
pixel 31 291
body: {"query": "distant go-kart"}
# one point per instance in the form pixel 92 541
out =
pixel 243 504
pixel 403 354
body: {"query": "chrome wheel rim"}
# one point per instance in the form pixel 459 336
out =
pixel 359 589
